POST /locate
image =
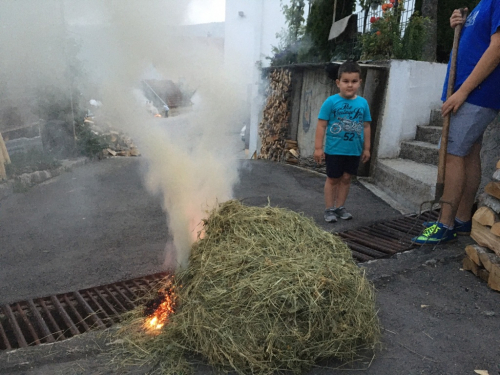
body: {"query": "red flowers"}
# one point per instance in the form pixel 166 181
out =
pixel 374 19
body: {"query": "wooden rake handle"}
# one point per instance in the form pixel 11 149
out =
pixel 446 121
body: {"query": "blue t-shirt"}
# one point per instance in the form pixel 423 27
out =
pixel 481 24
pixel 345 129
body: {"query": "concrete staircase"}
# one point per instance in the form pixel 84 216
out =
pixel 410 179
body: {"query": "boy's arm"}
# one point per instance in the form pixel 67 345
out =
pixel 484 67
pixel 365 156
pixel 319 154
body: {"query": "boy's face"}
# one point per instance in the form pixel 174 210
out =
pixel 348 84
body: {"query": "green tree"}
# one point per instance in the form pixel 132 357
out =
pixel 289 38
pixel 319 23
pixel 294 18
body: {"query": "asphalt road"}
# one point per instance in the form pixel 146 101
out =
pixel 97 225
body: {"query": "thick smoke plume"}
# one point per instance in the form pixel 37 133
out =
pixel 191 158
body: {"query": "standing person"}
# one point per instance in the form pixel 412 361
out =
pixel 165 110
pixel 474 105
pixel 345 117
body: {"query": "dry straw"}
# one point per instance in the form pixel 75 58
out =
pixel 266 290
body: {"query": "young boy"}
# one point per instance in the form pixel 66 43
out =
pixel 345 117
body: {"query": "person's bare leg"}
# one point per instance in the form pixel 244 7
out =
pixel 343 189
pixel 472 165
pixel 454 183
pixel 331 191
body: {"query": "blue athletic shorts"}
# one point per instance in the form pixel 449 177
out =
pixel 467 127
pixel 337 165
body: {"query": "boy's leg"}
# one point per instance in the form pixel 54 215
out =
pixel 333 174
pixel 331 191
pixel 343 189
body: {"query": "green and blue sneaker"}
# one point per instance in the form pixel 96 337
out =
pixel 462 228
pixel 434 235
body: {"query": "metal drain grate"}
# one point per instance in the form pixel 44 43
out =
pixel 386 238
pixel 56 318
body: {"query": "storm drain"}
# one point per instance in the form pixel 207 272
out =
pixel 59 317
pixel 386 238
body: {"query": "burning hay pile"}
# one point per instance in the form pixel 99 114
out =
pixel 266 290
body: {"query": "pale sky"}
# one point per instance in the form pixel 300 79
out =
pixel 205 11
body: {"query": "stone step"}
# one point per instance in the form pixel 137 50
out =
pixel 436 119
pixel 430 134
pixel 420 152
pixel 408 182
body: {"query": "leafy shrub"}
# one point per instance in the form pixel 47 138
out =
pixel 89 143
pixel 386 39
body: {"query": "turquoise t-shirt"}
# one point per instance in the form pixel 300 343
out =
pixel 345 129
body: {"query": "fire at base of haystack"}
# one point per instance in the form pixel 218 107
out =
pixel 158 310
pixel 265 290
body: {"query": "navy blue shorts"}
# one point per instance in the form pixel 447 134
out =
pixel 337 165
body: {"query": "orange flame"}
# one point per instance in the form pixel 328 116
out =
pixel 159 318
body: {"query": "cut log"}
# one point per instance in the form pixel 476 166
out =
pixel 496 175
pixel 489 261
pixel 491 202
pixel 498 164
pixel 483 236
pixel 494 279
pixel 111 152
pixel 485 216
pixel 495 229
pixel 493 189
pixel 483 274
pixel 474 251
pixel 469 265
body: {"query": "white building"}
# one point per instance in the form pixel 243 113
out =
pixel 250 33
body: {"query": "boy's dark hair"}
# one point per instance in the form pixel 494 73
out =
pixel 349 66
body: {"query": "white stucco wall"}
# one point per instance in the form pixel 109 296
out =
pixel 248 40
pixel 414 88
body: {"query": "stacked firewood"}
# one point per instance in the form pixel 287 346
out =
pixel 118 144
pixel 292 154
pixel 483 259
pixel 275 122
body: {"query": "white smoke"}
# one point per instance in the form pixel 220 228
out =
pixel 191 158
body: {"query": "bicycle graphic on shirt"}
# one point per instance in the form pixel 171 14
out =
pixel 350 128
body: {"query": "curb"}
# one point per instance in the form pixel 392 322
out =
pixel 27 180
